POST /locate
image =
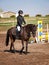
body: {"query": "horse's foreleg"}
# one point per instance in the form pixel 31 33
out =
pixel 26 46
pixel 13 47
pixel 22 46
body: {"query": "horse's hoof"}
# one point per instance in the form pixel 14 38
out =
pixel 12 51
pixel 20 52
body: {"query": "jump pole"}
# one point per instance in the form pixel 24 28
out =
pixel 39 31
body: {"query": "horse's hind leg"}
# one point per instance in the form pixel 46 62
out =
pixel 12 45
pixel 22 47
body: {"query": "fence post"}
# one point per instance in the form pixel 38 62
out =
pixel 47 34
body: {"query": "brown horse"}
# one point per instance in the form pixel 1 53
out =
pixel 24 35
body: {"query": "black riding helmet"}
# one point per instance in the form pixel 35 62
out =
pixel 20 12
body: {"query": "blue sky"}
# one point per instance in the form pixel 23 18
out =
pixel 31 7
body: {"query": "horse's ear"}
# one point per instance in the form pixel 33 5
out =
pixel 34 25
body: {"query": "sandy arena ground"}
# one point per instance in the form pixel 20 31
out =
pixel 38 54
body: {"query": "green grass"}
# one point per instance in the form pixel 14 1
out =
pixel 5 25
pixel 32 22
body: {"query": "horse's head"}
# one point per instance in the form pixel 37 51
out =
pixel 33 29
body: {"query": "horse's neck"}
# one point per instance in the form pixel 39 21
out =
pixel 28 29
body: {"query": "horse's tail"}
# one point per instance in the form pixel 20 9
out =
pixel 7 38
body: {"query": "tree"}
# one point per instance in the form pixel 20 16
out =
pixel 38 15
pixel 46 15
pixel 13 16
pixel 26 15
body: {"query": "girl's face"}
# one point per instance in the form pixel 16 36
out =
pixel 21 14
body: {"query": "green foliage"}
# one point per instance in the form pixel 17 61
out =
pixel 13 16
pixel 26 15
pixel 0 17
pixel 31 38
pixel 38 15
pixel 46 15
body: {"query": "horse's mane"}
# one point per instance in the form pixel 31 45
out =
pixel 29 25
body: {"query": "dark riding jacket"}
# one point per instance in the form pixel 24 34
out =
pixel 20 20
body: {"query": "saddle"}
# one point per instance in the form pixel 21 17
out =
pixel 17 31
